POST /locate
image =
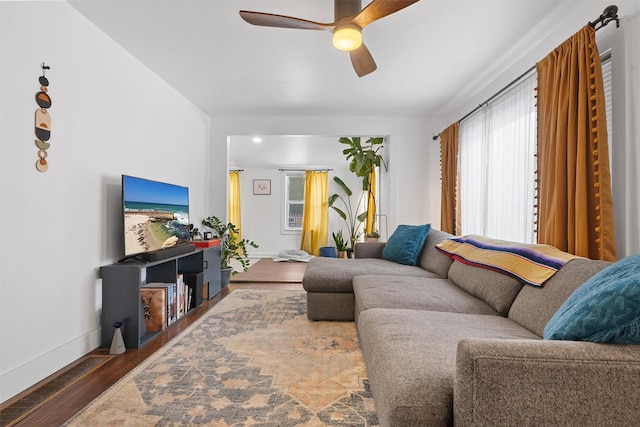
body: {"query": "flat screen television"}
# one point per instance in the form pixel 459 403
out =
pixel 156 216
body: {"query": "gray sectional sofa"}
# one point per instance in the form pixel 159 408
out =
pixel 448 343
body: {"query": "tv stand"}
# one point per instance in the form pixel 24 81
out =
pixel 160 254
pixel 121 283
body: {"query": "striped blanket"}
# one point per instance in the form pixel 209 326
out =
pixel 533 264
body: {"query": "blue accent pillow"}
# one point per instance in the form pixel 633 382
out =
pixel 606 308
pixel 405 244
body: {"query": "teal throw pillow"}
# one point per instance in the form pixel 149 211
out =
pixel 405 244
pixel 606 308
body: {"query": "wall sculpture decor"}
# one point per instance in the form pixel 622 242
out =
pixel 43 121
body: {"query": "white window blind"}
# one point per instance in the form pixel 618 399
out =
pixel 608 96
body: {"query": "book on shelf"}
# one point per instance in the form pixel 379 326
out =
pixel 154 305
pixel 171 300
pixel 181 296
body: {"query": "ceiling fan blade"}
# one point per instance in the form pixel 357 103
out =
pixel 362 61
pixel 271 20
pixel 379 9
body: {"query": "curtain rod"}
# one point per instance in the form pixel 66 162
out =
pixel 609 14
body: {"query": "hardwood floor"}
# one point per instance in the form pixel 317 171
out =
pixel 62 404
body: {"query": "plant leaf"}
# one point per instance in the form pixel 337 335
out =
pixel 340 212
pixel 343 186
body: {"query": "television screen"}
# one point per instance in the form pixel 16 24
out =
pixel 156 215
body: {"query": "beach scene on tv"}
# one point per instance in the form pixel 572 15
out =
pixel 156 215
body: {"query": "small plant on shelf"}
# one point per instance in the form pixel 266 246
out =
pixel 194 233
pixel 231 247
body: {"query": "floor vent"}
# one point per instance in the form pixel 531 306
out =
pixel 18 409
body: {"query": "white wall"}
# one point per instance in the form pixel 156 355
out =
pixel 413 195
pixel 110 115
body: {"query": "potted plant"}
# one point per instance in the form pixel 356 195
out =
pixel 363 160
pixel 341 245
pixel 231 247
pixel 372 237
pixel 194 233
pixel 349 215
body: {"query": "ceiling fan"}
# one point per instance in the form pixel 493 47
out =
pixel 350 19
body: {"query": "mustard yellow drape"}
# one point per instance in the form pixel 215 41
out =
pixel 234 201
pixel 370 222
pixel 575 208
pixel 449 173
pixel 315 217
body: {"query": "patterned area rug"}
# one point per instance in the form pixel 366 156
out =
pixel 253 360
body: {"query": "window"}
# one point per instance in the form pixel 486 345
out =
pixel 497 166
pixel 608 96
pixel 293 200
pixel 497 162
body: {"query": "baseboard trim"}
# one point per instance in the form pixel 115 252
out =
pixel 21 378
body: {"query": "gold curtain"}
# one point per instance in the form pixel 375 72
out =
pixel 370 223
pixel 449 174
pixel 575 208
pixel 315 217
pixel 234 201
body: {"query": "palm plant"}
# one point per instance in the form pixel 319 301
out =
pixel 349 215
pixel 231 247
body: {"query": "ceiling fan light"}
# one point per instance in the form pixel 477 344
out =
pixel 347 37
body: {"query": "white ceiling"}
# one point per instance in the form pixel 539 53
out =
pixel 427 54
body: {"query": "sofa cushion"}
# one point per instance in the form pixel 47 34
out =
pixel 411 356
pixel 492 287
pixel 431 258
pixel 533 307
pixel 415 293
pixel 336 274
pixel 368 249
pixel 606 308
pixel 405 244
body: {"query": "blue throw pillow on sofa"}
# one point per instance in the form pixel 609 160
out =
pixel 606 308
pixel 405 244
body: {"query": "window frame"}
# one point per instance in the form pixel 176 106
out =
pixel 285 228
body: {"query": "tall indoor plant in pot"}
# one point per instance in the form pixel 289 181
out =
pixel 231 247
pixel 352 219
pixel 363 160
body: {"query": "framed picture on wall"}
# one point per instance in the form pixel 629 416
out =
pixel 262 186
